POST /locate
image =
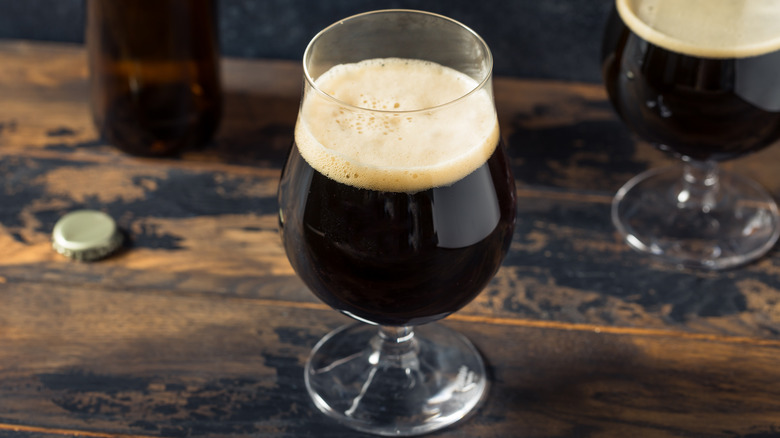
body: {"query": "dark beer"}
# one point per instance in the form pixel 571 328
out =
pixel 396 245
pixel 704 93
pixel 154 67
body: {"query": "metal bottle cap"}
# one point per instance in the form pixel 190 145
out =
pixel 86 235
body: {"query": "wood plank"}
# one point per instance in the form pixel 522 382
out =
pixel 563 266
pixel 116 362
pixel 206 222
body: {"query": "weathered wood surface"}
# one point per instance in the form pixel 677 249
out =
pixel 199 326
pixel 174 364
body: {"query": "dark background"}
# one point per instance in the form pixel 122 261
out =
pixel 549 39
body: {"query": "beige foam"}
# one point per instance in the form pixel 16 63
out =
pixel 706 28
pixel 403 130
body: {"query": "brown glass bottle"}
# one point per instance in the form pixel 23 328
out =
pixel 154 73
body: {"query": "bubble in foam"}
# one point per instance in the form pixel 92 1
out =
pixel 706 28
pixel 375 149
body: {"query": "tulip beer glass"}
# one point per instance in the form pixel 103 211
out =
pixel 397 206
pixel 699 79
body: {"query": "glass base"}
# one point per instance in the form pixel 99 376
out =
pixel 654 214
pixel 410 386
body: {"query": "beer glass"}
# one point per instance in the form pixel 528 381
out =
pixel 397 206
pixel 701 80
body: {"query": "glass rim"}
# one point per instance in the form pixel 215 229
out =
pixel 480 85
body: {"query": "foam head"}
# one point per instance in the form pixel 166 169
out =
pixel 397 125
pixel 706 28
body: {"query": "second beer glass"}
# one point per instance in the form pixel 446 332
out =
pixel 699 79
pixel 397 206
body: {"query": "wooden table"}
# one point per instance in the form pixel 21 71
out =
pixel 200 327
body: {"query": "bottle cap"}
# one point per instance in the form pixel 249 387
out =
pixel 86 235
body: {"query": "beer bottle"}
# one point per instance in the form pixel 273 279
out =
pixel 154 73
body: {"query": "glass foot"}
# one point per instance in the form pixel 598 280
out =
pixel 733 225
pixel 387 385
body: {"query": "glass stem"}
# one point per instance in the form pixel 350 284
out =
pixel 396 347
pixel 396 335
pixel 394 353
pixel 700 185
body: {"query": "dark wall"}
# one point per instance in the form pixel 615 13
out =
pixel 551 39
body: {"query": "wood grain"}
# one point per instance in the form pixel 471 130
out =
pixel 199 327
pixel 175 364
pixel 207 221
